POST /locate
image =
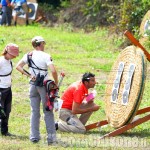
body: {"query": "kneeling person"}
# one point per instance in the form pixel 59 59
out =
pixel 73 104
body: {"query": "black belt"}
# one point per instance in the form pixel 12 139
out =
pixel 4 89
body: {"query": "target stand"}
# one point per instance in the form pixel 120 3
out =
pixel 124 128
pixel 124 90
pixel 40 16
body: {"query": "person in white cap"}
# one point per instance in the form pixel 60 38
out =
pixel 39 62
pixel 20 7
pixel 10 52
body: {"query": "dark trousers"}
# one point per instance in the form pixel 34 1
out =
pixel 6 100
pixel 6 16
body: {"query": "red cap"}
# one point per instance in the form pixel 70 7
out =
pixel 12 49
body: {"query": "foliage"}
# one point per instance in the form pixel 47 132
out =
pixel 132 13
pixel 124 14
pixel 46 7
pixel 65 3
pixel 53 3
pixel 92 7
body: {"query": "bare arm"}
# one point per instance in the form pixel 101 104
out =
pixel 54 73
pixel 77 110
pixel 8 3
pixel 19 67
pixel 12 4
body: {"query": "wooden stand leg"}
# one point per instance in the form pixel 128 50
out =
pixel 123 128
pixel 128 126
pixel 96 125
pixel 41 18
pixel 142 111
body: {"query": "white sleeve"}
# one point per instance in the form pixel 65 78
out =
pixel 49 60
pixel 24 59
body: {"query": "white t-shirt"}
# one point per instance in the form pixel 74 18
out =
pixel 42 60
pixel 5 68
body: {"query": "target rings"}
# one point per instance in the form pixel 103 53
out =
pixel 125 86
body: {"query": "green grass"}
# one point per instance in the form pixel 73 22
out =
pixel 74 53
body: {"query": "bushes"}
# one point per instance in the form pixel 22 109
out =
pixel 132 13
pixel 124 14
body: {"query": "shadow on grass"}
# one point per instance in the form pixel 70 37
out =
pixel 19 137
pixel 142 134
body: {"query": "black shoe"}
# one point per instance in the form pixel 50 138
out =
pixel 7 134
pixel 35 140
pixel 27 23
pixel 15 23
pixel 56 125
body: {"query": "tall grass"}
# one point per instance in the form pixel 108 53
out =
pixel 74 53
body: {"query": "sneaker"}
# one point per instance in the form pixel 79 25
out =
pixel 34 140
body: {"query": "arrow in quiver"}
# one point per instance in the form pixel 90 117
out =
pixel 125 86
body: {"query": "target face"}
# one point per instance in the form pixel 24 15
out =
pixel 124 87
pixel 32 10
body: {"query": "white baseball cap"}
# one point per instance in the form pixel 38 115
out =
pixel 38 39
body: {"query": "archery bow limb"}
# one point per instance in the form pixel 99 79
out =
pixel 136 43
pixel 61 79
pixel 62 75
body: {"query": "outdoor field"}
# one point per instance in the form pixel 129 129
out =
pixel 73 53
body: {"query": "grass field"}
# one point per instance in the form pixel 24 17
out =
pixel 74 53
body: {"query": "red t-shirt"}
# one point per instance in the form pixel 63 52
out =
pixel 76 92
